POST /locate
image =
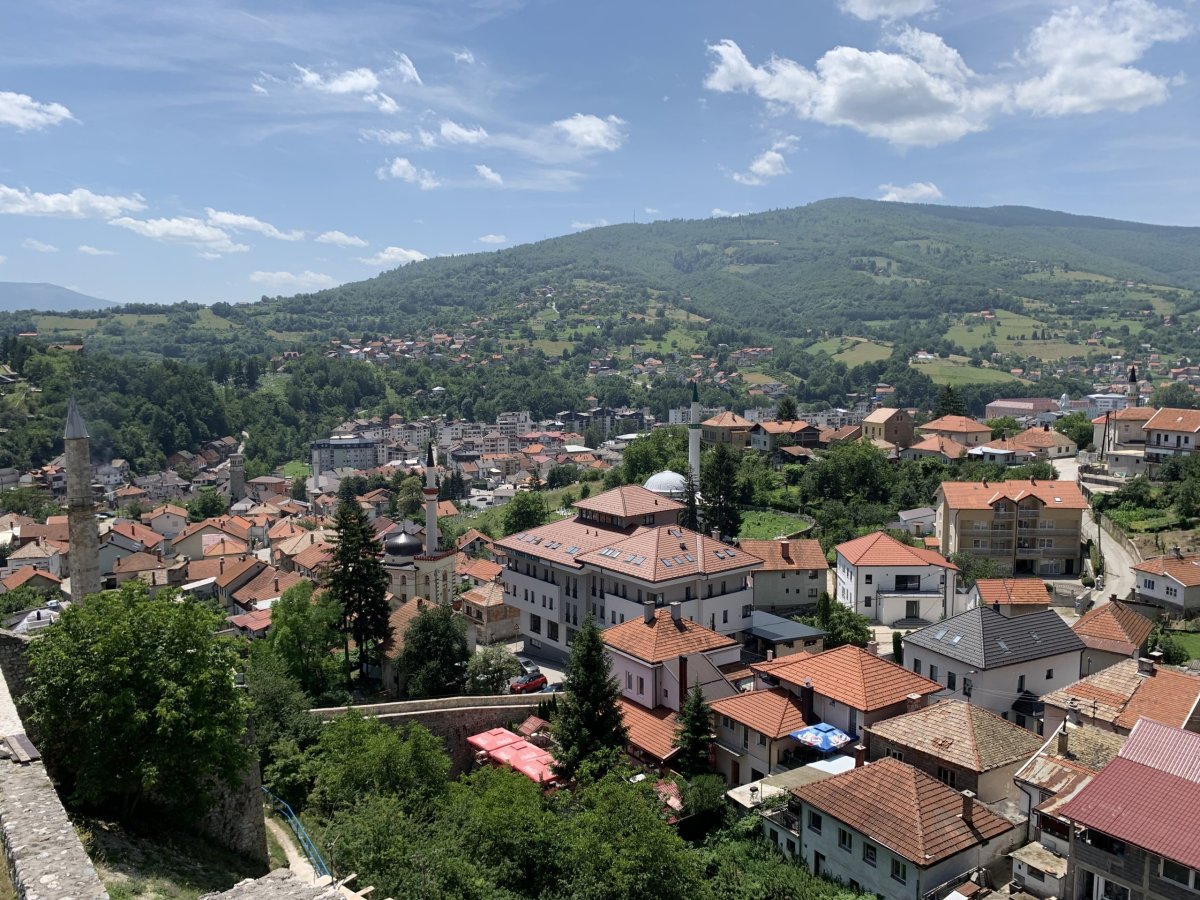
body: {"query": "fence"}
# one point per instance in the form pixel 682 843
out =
pixel 306 843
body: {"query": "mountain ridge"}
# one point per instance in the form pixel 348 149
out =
pixel 42 296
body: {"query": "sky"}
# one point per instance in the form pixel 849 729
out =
pixel 212 150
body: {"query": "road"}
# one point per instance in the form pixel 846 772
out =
pixel 1118 564
pixel 297 861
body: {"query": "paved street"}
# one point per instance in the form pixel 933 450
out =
pixel 1118 564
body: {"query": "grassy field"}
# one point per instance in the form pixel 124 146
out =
pixel 955 371
pixel 550 348
pixel 1190 641
pixel 296 469
pixel 52 324
pixel 759 525
pixel 853 351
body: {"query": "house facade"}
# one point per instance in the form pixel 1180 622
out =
pixel 893 583
pixel 1171 582
pixel 962 430
pixel 895 426
pixel 793 573
pixel 1172 432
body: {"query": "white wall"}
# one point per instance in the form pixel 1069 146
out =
pixel 856 583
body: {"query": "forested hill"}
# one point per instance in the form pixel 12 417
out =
pixel 841 266
pixel 16 295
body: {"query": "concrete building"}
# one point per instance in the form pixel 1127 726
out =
pixel 895 426
pixel 343 451
pixel 962 430
pixel 83 559
pixel 793 573
pixel 893 583
pixel 1172 432
pixel 1171 582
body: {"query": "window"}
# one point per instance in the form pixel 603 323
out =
pixel 812 592
pixel 946 776
pixel 845 839
pixel 1173 871
pixel 951 681
pixel 724 617
pixel 791 847
pixel 726 722
pixel 641 685
pixel 967 687
pixel 629 681
pixel 894 754
pixel 916 666
pixel 868 579
pixel 1172 592
pixel 814 821
pixel 900 871
pixel 867 601
pixel 762 739
pixel 868 854
pixel 1020 683
pixel 1148 583
pixel 1105 842
pixel 1049 674
pixel 552 631
pixel 933 672
pixel 908 582
pixel 535 624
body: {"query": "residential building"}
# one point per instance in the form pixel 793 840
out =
pixel 917 522
pixel 1020 407
pixel 343 451
pixel 891 830
pixel 848 687
pixel 1045 443
pixel 963 430
pixel 1171 582
pixel 1171 432
pixel 1114 699
pixel 1003 664
pixel 767 436
pixel 768 636
pixel 793 573
pixel 1136 822
pixel 938 446
pixel 1010 596
pixel 1124 429
pixel 893 583
pixel 965 746
pixel 892 425
pixel 1027 527
pixel 726 428
pixel 1111 634
pixel 753 734
pixel 492 618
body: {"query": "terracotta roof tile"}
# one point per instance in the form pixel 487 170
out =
pixel 850 675
pixel 774 712
pixel 1168 419
pixel 911 813
pixel 236 568
pixel 1012 592
pixel 982 494
pixel 1120 696
pixel 652 730
pixel 881 415
pixel 939 443
pixel 561 542
pixel 269 584
pixel 727 420
pixel 137 562
pixel 628 501
pixel 1183 569
pixel 781 556
pixel 24 575
pixel 954 425
pixel 483 570
pixel 881 549
pixel 490 594
pixel 225 546
pixel 314 557
pixel 960 733
pixel 1113 627
pixel 664 638
pixel 667 553
pixel 398 622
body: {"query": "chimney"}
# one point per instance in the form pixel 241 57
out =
pixel 1146 667
pixel 420 603
pixel 806 701
pixel 860 756
pixel 967 809
pixel 677 612
pixel 1073 712
pixel 648 612
pixel 996 606
pixel 1156 657
pixel 913 702
pixel 770 655
pixel 1064 741
pixel 873 647
pixel 683 678
pixel 785 548
pixel 716 534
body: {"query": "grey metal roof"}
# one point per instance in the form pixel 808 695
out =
pixel 921 512
pixel 770 627
pixel 983 638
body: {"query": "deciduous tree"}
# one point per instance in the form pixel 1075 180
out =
pixel 490 670
pixel 527 509
pixel 435 655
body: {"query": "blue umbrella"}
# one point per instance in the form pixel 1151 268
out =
pixel 822 736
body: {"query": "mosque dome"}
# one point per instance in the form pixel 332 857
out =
pixel 403 544
pixel 667 483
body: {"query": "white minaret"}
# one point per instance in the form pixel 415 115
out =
pixel 84 559
pixel 1132 393
pixel 694 436
pixel 431 503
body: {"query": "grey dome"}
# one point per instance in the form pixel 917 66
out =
pixel 668 483
pixel 403 544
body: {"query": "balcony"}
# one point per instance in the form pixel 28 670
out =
pixel 785 818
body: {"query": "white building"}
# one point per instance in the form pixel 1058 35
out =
pixel 891 582
pixel 1172 582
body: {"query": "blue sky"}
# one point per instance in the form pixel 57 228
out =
pixel 211 150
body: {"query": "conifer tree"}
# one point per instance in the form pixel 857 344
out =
pixel 694 734
pixel 690 517
pixel 719 491
pixel 357 581
pixel 590 721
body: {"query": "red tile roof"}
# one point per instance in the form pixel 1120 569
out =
pixel 954 425
pixel 628 501
pixel 24 575
pixel 774 712
pixel 147 537
pixel 1183 569
pixel 1113 627
pixel 664 638
pixel 553 541
pixel 939 443
pixel 1012 592
pixel 1168 419
pixel 1120 696
pixel 668 553
pixel 850 675
pixel 881 549
pixel 257 620
pixel 268 584
pixel 982 494
pixel 236 568
pixel 787 556
pixel 137 562
pixel 727 420
pixel 912 814
pixel 398 622
pixel 966 735
pixel 483 570
pixel 651 730
pixel 490 594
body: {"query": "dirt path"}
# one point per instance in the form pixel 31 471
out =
pixel 297 861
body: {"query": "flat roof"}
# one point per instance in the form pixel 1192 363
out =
pixel 770 627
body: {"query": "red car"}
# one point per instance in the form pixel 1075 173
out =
pixel 527 684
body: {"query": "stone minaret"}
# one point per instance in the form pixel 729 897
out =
pixel 237 476
pixel 694 436
pixel 430 493
pixel 1132 395
pixel 84 558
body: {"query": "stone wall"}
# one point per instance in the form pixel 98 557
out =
pixel 453 719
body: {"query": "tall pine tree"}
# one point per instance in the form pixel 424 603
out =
pixel 357 581
pixel 694 734
pixel 690 517
pixel 590 721
pixel 719 491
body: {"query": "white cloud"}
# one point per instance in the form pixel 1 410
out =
pixel 493 239
pixel 388 137
pixel 922 95
pixel 352 81
pixel 238 222
pixel 651 211
pixel 24 113
pixel 488 174
pixel 464 56
pixel 393 256
pixel 259 89
pixel 89 250
pixel 454 133
pixel 401 169
pixel 719 213
pixel 382 102
pixel 917 192
pixel 78 204
pixel 588 132
pixel 1086 52
pixel 887 10
pixel 406 70
pixel 583 226
pixel 293 281
pixel 766 166
pixel 212 241
pixel 340 239
pixel 38 246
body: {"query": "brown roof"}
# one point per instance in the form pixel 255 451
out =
pixel 778 556
pixel 54 531
pixel 225 546
pixel 881 549
pixel 960 733
pixel 137 562
pixel 1089 749
pixel 1012 592
pixel 1040 438
pixel 982 494
pixel 850 675
pixel 775 712
pixel 482 570
pixel 1168 419
pixel 490 594
pixel 268 584
pixel 664 638
pixel 667 553
pixel 728 420
pixel 939 443
pixel 1183 569
pixel 561 542
pixel 24 575
pixel 652 730
pixel 398 622
pixel 788 426
pixel 881 415
pixel 912 814
pixel 236 568
pixel 1120 696
pixel 1114 627
pixel 628 501
pixel 147 537
pixel 446 508
pixel 954 425
pixel 471 535
pixel 314 557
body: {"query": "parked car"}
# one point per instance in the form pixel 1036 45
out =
pixel 528 666
pixel 554 687
pixel 528 683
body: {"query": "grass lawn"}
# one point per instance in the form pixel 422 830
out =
pixel 758 525
pixel 852 351
pixel 54 324
pixel 955 371
pixel 295 469
pixel 1190 641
